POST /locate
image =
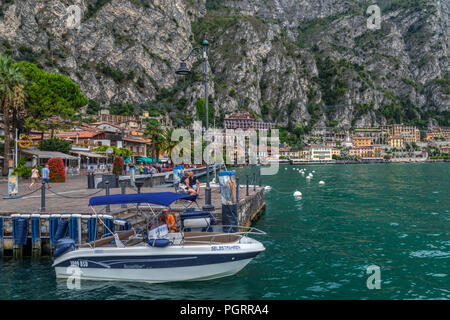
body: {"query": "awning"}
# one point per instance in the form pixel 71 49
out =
pixel 147 160
pixel 89 154
pixel 48 154
pixel 161 198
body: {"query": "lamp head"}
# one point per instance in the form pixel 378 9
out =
pixel 183 70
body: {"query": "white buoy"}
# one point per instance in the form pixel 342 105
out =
pixel 298 194
pixel 313 171
pixel 267 188
pixel 321 182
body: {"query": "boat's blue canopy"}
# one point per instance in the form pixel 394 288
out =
pixel 161 198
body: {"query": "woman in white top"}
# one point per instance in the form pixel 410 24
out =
pixel 34 177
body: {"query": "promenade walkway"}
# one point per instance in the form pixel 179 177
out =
pixel 73 197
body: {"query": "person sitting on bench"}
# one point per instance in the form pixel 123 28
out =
pixel 193 182
pixel 186 185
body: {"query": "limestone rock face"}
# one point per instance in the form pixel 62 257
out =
pixel 309 63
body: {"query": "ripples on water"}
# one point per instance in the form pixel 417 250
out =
pixel 394 216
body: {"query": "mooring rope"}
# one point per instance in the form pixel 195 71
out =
pixel 75 197
pixel 282 192
pixel 21 196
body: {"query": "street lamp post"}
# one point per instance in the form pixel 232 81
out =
pixel 123 147
pixel 184 71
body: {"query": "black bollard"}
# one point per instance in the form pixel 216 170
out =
pixel 151 180
pixel 91 180
pixel 123 185
pixel 237 190
pixel 246 193
pixel 139 186
pixel 108 207
pixel 254 181
pixel 260 179
pixel 43 197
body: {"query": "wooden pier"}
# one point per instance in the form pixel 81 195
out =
pixel 72 198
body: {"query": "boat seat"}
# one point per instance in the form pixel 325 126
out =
pixel 196 238
pixel 104 241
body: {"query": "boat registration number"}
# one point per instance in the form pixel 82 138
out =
pixel 79 263
pixel 220 248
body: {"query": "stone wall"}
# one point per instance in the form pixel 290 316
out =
pixel 251 207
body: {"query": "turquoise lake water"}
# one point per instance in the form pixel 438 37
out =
pixel 394 216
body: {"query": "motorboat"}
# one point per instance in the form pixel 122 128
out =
pixel 199 250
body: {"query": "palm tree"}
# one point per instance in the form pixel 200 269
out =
pixel 167 144
pixel 12 99
pixel 152 131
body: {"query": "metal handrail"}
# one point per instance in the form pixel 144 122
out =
pixel 251 230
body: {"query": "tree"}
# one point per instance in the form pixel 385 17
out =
pixel 201 113
pixel 56 144
pixel 116 151
pixel 53 98
pixel 167 144
pixel 152 130
pixel 12 97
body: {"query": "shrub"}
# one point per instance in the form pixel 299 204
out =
pixel 57 171
pixel 24 172
pixel 56 144
pixel 118 165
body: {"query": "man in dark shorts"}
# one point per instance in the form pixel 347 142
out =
pixel 45 174
pixel 193 182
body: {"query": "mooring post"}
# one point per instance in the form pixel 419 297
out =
pixel 43 197
pixel 92 229
pixel 139 186
pixel 246 193
pixel 53 222
pixel 254 181
pixel 237 190
pixel 1 235
pixel 36 236
pixel 260 179
pixel 108 207
pixel 20 233
pixel 123 186
pixel 80 227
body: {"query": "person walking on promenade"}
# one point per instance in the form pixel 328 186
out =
pixel 132 175
pixel 45 174
pixel 34 177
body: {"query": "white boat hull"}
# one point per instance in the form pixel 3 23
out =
pixel 199 273
pixel 155 265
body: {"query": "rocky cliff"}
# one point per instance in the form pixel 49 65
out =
pixel 300 63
